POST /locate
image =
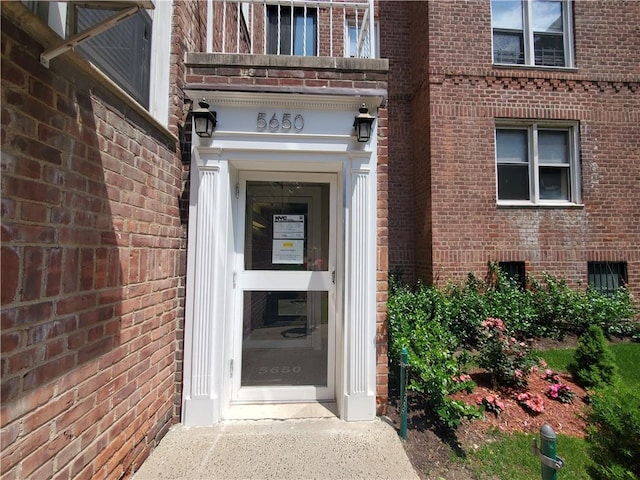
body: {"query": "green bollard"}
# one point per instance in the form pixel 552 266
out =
pixel 548 449
pixel 551 463
pixel 403 392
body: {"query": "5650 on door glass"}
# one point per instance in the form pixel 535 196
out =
pixel 285 370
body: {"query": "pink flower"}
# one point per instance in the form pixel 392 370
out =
pixel 493 323
pixel 462 378
pixel 534 369
pixel 543 364
pixel 535 403
pixel 518 373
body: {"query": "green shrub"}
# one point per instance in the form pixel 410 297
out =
pixel 434 367
pixel 434 323
pixel 615 313
pixel 593 363
pixel 614 434
pixel 561 310
pixel 547 308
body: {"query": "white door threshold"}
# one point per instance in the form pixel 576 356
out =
pixel 281 411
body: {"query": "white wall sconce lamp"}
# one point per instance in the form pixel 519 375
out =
pixel 362 124
pixel 204 120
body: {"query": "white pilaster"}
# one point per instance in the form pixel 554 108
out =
pixel 360 389
pixel 205 299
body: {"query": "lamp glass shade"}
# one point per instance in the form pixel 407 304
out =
pixel 204 120
pixel 363 130
pixel 362 124
pixel 203 125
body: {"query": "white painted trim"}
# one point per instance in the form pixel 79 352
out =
pixel 360 307
pixel 205 307
pixel 230 152
pixel 286 100
pixel 160 14
pixel 58 18
pixel 160 61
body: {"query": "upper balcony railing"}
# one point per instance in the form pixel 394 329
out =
pixel 330 28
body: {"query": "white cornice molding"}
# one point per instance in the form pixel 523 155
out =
pixel 285 100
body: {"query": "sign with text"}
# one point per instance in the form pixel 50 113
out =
pixel 288 239
pixel 288 226
pixel 288 252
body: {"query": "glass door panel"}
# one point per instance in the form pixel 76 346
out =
pixel 285 338
pixel 284 226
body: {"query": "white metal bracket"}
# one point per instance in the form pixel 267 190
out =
pixel 555 463
pixel 129 9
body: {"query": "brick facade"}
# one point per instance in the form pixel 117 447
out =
pixel 458 225
pixel 395 41
pixel 94 197
pixel 93 262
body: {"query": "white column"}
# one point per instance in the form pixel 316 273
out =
pixel 210 29
pixel 360 316
pixel 205 299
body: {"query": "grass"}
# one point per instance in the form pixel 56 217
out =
pixel 627 357
pixel 509 456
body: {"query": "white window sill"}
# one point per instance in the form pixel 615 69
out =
pixel 526 204
pixel 519 66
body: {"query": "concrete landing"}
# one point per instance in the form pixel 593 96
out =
pixel 317 448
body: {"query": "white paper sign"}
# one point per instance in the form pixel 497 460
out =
pixel 288 226
pixel 288 251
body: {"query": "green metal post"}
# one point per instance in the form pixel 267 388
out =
pixel 403 392
pixel 548 449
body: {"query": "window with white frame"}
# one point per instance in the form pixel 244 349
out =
pixel 537 163
pixel 353 32
pixel 292 30
pixel 532 32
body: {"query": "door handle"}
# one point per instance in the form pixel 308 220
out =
pixel 333 277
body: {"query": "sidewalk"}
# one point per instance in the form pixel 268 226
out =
pixel 326 448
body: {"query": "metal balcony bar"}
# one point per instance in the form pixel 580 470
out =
pixel 292 27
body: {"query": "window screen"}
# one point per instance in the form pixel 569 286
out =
pixel 123 52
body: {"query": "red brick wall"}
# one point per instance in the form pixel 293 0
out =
pixel 395 45
pixel 467 93
pixel 382 273
pixel 92 269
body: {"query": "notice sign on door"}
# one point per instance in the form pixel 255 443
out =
pixel 288 239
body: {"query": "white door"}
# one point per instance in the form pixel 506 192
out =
pixel 285 288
